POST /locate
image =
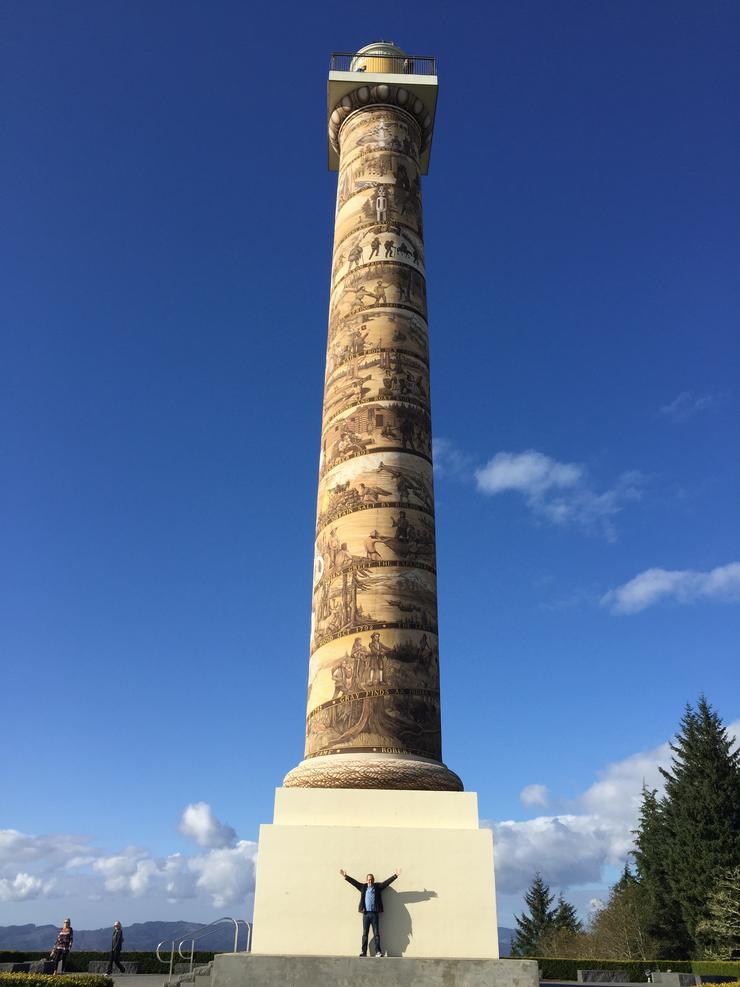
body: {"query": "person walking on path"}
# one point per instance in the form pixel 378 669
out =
pixel 115 949
pixel 371 906
pixel 63 945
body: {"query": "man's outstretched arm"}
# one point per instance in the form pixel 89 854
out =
pixel 351 880
pixel 390 880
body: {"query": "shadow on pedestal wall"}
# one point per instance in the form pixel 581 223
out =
pixel 396 926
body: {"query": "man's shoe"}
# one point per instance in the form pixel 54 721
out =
pixel 363 954
pixel 378 954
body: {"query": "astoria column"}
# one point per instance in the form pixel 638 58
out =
pixel 373 716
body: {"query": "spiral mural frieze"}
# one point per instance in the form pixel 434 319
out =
pixel 374 654
pixel 375 332
pixel 375 480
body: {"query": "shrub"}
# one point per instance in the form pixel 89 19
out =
pixel 635 970
pixel 47 980
pixel 79 958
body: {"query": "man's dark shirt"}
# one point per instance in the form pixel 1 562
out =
pixel 117 941
pixel 379 886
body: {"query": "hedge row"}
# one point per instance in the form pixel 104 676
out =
pixel 79 958
pixel 635 970
pixel 47 980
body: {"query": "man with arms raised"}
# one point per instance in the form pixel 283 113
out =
pixel 371 905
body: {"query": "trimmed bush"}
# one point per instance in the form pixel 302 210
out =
pixel 78 959
pixel 47 980
pixel 635 970
pixel 719 968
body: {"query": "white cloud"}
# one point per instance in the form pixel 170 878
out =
pixel 688 404
pixel 118 870
pixel 559 492
pixel 681 585
pixel 199 823
pixel 567 849
pixel 133 872
pixel 227 875
pixel 615 796
pixel 21 848
pixel 71 866
pixel 531 473
pixel 23 886
pixel 592 833
pixel 533 795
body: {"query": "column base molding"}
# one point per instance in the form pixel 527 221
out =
pixel 373 771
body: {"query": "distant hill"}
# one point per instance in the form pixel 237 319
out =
pixel 142 937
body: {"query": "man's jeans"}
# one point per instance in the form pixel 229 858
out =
pixel 370 919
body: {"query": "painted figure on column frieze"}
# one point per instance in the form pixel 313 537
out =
pixel 381 205
pixel 389 375
pixel 383 283
pixel 380 535
pixel 400 330
pixel 375 428
pixel 383 480
pixel 360 596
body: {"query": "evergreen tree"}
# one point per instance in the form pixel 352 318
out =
pixel 565 933
pixel 663 918
pixel 531 929
pixel 720 932
pixel 565 917
pixel 627 880
pixel 701 811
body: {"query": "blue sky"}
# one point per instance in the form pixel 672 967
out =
pixel 164 287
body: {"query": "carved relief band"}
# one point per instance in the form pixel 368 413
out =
pixel 373 709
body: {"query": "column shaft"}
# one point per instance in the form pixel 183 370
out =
pixel 373 717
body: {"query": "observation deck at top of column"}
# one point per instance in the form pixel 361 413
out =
pixel 384 64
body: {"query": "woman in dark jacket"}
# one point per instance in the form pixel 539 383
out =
pixel 63 945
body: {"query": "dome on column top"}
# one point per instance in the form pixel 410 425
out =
pixel 380 56
pixel 381 48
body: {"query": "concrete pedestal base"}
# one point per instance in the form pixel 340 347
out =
pixel 248 970
pixel 442 905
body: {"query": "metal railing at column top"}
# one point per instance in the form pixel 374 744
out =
pixel 347 61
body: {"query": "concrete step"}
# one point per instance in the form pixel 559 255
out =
pixel 242 969
pixel 200 977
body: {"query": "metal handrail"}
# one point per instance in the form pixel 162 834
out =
pixel 346 61
pixel 207 931
pixel 172 957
